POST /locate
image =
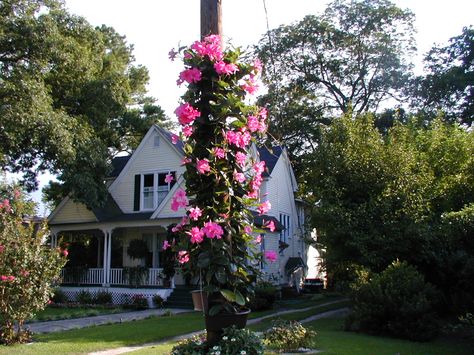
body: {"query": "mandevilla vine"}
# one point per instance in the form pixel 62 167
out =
pixel 223 179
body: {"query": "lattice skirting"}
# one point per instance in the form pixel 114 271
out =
pixel 120 295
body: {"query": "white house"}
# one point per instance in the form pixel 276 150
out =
pixel 139 207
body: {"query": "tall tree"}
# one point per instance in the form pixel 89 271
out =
pixel 449 82
pixel 66 95
pixel 350 58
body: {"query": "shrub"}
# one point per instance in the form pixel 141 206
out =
pixel 28 269
pixel 264 297
pixel 397 302
pixel 234 342
pixel 59 296
pixel 288 335
pixel 103 297
pixel 84 297
pixel 139 302
pixel 157 300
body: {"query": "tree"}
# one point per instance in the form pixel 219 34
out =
pixel 27 267
pixel 69 94
pixel 449 82
pixel 349 59
pixel 397 195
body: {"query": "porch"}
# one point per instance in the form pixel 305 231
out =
pixel 132 276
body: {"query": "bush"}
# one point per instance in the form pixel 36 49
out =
pixel 397 302
pixel 157 300
pixel 103 297
pixel 84 297
pixel 59 296
pixel 234 342
pixel 264 297
pixel 28 268
pixel 288 335
pixel 139 302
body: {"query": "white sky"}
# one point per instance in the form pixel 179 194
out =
pixel 154 27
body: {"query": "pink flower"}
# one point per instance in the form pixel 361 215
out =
pixel 2 248
pixel 203 166
pixel 187 131
pixel 258 239
pixel 259 167
pixel 185 161
pixel 166 245
pixel 172 54
pixel 16 194
pixel 195 213
pixel 252 123
pixel 183 257
pixel 213 230
pixel 241 158
pixel 174 139
pixel 192 75
pixel 5 205
pixel 252 194
pixel 248 229
pixel 24 273
pixel 218 152
pixel 211 46
pixel 224 68
pixel 197 235
pixel 169 178
pixel 264 207
pixel 263 113
pixel 224 215
pixel 240 177
pixel 11 278
pixel 179 200
pixel 64 252
pixel 271 256
pixel 4 278
pixel 257 65
pixel 270 225
pixel 186 114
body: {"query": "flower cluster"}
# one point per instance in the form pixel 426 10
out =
pixel 223 179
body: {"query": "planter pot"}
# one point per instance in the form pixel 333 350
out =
pixel 199 300
pixel 216 324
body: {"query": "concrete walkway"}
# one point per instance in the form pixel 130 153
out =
pixel 128 349
pixel 66 324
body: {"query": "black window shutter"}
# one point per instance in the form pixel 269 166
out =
pixel 136 195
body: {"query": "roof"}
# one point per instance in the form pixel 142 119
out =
pixel 293 264
pixel 270 157
pixel 118 163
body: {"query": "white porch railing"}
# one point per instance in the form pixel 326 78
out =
pixel 94 276
pixel 117 277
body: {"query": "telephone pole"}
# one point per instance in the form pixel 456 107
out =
pixel 211 17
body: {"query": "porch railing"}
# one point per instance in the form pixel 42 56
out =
pixel 75 275
pixel 118 276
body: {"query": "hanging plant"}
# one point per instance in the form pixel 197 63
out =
pixel 214 240
pixel 137 249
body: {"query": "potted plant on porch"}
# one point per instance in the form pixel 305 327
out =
pixel 214 241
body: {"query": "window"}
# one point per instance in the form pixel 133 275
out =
pixel 262 250
pixel 156 141
pixel 154 189
pixel 285 221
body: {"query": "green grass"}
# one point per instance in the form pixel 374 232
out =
pixel 334 341
pixel 80 341
pixel 54 313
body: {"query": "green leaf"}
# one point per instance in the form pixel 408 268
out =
pixel 215 309
pixel 239 299
pixel 228 295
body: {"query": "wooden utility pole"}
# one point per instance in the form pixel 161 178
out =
pixel 211 17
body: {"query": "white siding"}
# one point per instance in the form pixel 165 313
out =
pixel 73 212
pixel 166 211
pixel 149 159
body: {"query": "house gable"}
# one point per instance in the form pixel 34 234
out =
pixel 69 211
pixel 155 154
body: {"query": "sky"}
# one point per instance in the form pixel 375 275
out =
pixel 154 27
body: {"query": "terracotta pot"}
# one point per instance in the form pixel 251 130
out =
pixel 216 324
pixel 199 300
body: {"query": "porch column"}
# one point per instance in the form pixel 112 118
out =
pixel 107 255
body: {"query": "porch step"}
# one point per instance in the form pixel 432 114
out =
pixel 180 298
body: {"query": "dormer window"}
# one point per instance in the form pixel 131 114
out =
pixel 151 189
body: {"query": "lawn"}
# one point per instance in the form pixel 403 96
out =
pixel 55 313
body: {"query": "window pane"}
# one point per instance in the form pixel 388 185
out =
pixel 148 181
